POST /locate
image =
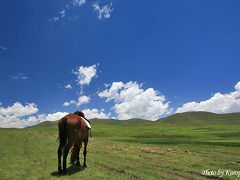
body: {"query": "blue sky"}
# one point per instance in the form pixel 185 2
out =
pixel 163 57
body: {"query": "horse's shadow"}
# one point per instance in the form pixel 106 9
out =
pixel 70 170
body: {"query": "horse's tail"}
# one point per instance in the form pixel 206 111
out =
pixel 62 132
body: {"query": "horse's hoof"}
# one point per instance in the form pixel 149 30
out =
pixel 65 173
pixel 60 171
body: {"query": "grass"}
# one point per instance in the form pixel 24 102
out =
pixel 157 150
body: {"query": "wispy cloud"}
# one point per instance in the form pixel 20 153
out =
pixel 19 76
pixel 78 2
pixel 54 19
pixel 104 11
pixel 3 48
pixel 62 13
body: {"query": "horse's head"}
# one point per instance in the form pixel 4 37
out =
pixel 80 113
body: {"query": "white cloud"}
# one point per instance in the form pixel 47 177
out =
pixel 62 13
pixel 103 12
pixel 78 2
pixel 112 93
pixel 81 100
pixel 218 103
pixel 18 110
pixel 51 117
pixel 16 122
pixel 54 19
pixel 20 76
pixel 94 113
pixel 131 101
pixel 69 103
pixel 18 116
pixel 11 116
pixel 68 86
pixel 85 75
pixel 237 86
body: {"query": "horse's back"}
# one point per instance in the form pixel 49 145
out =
pixel 73 119
pixel 75 127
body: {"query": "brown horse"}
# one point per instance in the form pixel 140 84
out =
pixel 72 129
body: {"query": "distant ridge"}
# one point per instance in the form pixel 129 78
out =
pixel 202 118
pixel 186 119
pixel 129 122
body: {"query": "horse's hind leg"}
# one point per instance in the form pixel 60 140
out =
pixel 85 152
pixel 59 152
pixel 65 153
pixel 79 145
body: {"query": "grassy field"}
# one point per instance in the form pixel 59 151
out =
pixel 156 150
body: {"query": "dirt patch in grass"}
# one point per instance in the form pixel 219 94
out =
pixel 231 154
pixel 114 148
pixel 119 172
pixel 152 150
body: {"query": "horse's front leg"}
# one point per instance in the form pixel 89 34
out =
pixel 85 153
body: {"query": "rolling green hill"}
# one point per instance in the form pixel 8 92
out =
pixel 165 149
pixel 202 118
pixel 130 122
pixel 186 118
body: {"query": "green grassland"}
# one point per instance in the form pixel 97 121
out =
pixel 181 146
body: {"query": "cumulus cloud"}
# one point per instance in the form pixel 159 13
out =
pixel 94 113
pixel 20 116
pixel 218 103
pixel 11 116
pixel 132 101
pixel 19 110
pixel 111 93
pixel 85 75
pixel 81 100
pixel 16 122
pixel 237 86
pixel 102 12
pixel 51 117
